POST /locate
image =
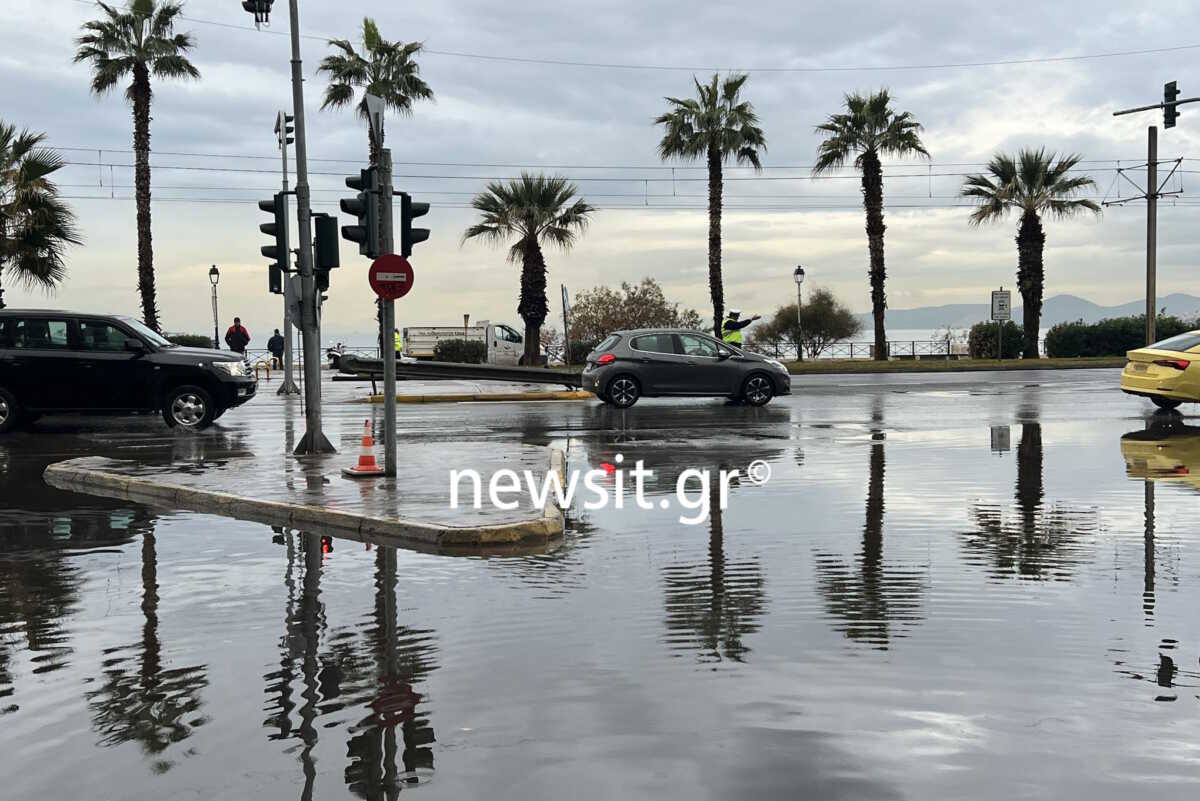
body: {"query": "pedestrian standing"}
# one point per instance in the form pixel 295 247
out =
pixel 275 345
pixel 237 337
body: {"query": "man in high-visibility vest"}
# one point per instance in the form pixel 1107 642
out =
pixel 399 342
pixel 731 329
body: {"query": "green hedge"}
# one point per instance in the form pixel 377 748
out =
pixel 462 351
pixel 580 350
pixel 1112 337
pixel 191 340
pixel 981 343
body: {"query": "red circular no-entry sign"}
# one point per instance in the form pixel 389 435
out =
pixel 391 276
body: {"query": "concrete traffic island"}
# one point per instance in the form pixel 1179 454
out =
pixel 534 530
pixel 479 397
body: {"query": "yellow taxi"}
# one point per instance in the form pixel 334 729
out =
pixel 1167 372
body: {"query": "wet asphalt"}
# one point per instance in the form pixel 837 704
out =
pixel 968 585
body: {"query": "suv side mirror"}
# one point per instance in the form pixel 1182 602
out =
pixel 135 346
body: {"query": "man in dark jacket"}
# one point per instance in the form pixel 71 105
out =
pixel 275 345
pixel 237 337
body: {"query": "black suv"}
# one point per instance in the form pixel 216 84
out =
pixel 54 361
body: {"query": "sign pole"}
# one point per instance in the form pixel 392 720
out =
pixel 387 245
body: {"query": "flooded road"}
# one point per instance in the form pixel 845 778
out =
pixel 961 586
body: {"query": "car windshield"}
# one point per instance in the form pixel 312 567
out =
pixel 1179 344
pixel 148 333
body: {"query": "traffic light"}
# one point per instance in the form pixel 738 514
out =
pixel 1170 111
pixel 409 236
pixel 284 128
pixel 261 9
pixel 325 248
pixel 365 206
pixel 278 229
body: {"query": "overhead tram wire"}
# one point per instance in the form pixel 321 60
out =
pixel 680 68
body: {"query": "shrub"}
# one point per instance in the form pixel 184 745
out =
pixel 580 350
pixel 981 342
pixel 462 351
pixel 1112 337
pixel 190 340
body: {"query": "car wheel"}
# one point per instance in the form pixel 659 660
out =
pixel 623 391
pixel 189 407
pixel 9 411
pixel 758 390
pixel 1166 403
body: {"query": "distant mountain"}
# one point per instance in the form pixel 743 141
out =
pixel 1058 309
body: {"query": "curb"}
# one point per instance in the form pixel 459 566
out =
pixel 88 475
pixel 468 397
pixel 916 367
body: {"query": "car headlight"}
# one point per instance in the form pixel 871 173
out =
pixel 232 368
pixel 778 365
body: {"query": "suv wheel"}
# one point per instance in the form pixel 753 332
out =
pixel 9 411
pixel 188 407
pixel 758 390
pixel 623 391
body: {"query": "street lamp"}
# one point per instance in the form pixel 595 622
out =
pixel 798 277
pixel 214 277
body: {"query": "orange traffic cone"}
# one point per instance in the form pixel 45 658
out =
pixel 366 460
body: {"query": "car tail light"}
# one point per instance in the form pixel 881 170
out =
pixel 607 358
pixel 1178 364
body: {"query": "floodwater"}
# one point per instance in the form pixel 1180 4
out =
pixel 954 587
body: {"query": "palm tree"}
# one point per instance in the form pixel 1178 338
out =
pixel 715 125
pixel 384 69
pixel 1033 184
pixel 35 225
pixel 534 209
pixel 868 129
pixel 138 42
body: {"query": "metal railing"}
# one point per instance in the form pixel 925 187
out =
pixel 897 349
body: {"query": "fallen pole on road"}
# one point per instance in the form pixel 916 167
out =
pixel 366 367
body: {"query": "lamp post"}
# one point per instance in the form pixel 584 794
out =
pixel 798 277
pixel 214 276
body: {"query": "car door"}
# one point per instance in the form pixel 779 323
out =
pixel 703 371
pixel 658 367
pixel 41 355
pixel 113 376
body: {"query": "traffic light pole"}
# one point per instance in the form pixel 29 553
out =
pixel 289 385
pixel 314 440
pixel 1151 231
pixel 387 244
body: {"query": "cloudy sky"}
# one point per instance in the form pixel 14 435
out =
pixel 593 124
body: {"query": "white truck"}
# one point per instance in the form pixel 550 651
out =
pixel 505 345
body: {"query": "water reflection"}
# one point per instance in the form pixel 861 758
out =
pixel 1044 542
pixel 140 700
pixel 870 598
pixel 374 671
pixel 712 605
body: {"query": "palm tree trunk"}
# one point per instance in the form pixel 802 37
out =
pixel 141 149
pixel 872 189
pixel 533 306
pixel 1031 240
pixel 714 239
pixel 3 237
pixel 385 337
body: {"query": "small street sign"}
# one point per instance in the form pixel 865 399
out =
pixel 391 276
pixel 1001 306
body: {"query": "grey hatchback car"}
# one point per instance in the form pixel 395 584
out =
pixel 666 362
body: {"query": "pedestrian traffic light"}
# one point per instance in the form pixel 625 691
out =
pixel 409 236
pixel 325 248
pixel 275 280
pixel 1170 110
pixel 365 206
pixel 261 9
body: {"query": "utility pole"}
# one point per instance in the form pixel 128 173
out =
pixel 387 245
pixel 314 440
pixel 289 385
pixel 1153 191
